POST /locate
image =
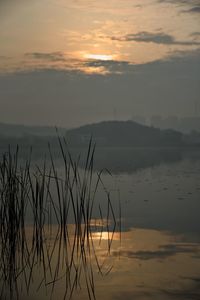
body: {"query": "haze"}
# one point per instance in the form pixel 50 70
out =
pixel 71 62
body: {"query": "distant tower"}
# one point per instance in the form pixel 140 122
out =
pixel 114 114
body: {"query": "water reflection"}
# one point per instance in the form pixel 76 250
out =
pixel 69 264
pixel 128 160
pixel 115 159
pixel 157 253
pixel 149 264
pixel 153 264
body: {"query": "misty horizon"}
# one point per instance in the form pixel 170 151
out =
pixel 81 62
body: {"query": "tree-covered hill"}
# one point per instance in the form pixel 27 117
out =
pixel 124 133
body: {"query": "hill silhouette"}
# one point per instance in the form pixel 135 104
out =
pixel 125 134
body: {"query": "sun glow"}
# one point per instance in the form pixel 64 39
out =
pixel 99 56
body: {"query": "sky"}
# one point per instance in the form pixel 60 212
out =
pixel 71 62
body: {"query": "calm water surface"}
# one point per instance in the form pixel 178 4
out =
pixel 160 249
pixel 157 254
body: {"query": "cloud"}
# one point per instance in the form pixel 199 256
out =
pixel 156 38
pixel 195 9
pixel 51 56
pixel 90 66
pixel 162 252
pixel 112 66
pixel 60 61
pixel 153 88
pixel 195 34
pixel 194 5
pixel 182 2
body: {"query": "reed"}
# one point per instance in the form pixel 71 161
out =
pixel 53 202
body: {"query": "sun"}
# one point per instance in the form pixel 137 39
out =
pixel 98 56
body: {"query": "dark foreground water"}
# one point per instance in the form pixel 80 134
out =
pixel 157 253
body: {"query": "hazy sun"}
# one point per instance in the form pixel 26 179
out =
pixel 98 56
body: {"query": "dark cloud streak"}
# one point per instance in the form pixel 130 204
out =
pixel 193 4
pixel 195 9
pixel 156 38
pixel 51 56
pixel 196 34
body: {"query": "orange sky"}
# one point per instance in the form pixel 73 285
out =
pixel 123 30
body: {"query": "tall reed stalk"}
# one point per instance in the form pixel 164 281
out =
pixel 53 202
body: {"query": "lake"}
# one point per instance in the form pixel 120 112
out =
pixel 152 249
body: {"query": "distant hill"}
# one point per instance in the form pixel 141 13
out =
pixel 13 130
pixel 124 134
pixel 109 134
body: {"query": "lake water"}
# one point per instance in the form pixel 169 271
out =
pixel 157 253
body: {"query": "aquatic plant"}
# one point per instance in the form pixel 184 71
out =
pixel 46 221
